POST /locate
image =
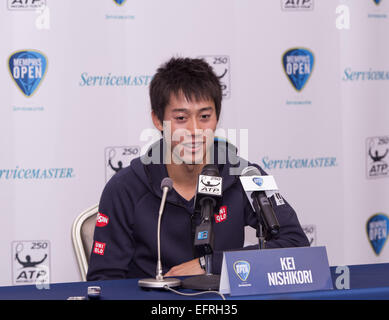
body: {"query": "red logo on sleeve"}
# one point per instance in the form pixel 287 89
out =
pixel 102 220
pixel 222 214
pixel 99 248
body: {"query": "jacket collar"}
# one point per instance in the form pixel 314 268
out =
pixel 154 170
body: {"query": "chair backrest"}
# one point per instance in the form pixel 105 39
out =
pixel 82 236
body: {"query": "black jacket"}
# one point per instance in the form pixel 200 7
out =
pixel 125 238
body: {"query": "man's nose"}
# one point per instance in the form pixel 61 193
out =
pixel 193 127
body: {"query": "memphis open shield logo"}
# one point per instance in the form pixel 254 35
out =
pixel 377 228
pixel 27 68
pixel 298 65
pixel 242 269
pixel 258 181
pixel 119 2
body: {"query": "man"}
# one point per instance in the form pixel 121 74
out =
pixel 186 100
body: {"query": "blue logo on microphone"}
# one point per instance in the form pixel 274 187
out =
pixel 258 181
pixel 27 68
pixel 202 235
pixel 242 269
pixel 377 228
pixel 377 1
pixel 298 65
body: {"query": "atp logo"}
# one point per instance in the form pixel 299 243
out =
pixel 377 157
pixel 117 158
pixel 242 269
pixel 298 65
pixel 222 67
pixel 27 69
pixel 377 231
pixel 31 263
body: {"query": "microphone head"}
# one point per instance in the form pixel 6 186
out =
pixel 250 171
pixel 167 183
pixel 210 170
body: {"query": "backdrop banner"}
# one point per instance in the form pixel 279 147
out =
pixel 305 91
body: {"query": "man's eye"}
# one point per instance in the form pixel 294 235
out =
pixel 205 116
pixel 180 118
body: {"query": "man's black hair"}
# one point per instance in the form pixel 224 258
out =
pixel 193 78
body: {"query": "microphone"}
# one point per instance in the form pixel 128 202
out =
pixel 159 281
pixel 209 190
pixel 262 204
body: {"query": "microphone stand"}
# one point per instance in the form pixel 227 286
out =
pixel 207 281
pixel 159 282
pixel 267 221
pixel 262 231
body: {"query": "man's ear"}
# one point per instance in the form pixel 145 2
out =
pixel 157 123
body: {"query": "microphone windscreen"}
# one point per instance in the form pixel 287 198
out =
pixel 210 170
pixel 250 171
pixel 167 182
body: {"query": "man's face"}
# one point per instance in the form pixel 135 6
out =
pixel 192 125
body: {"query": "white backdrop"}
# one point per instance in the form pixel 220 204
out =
pixel 91 107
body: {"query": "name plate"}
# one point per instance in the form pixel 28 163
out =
pixel 272 271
